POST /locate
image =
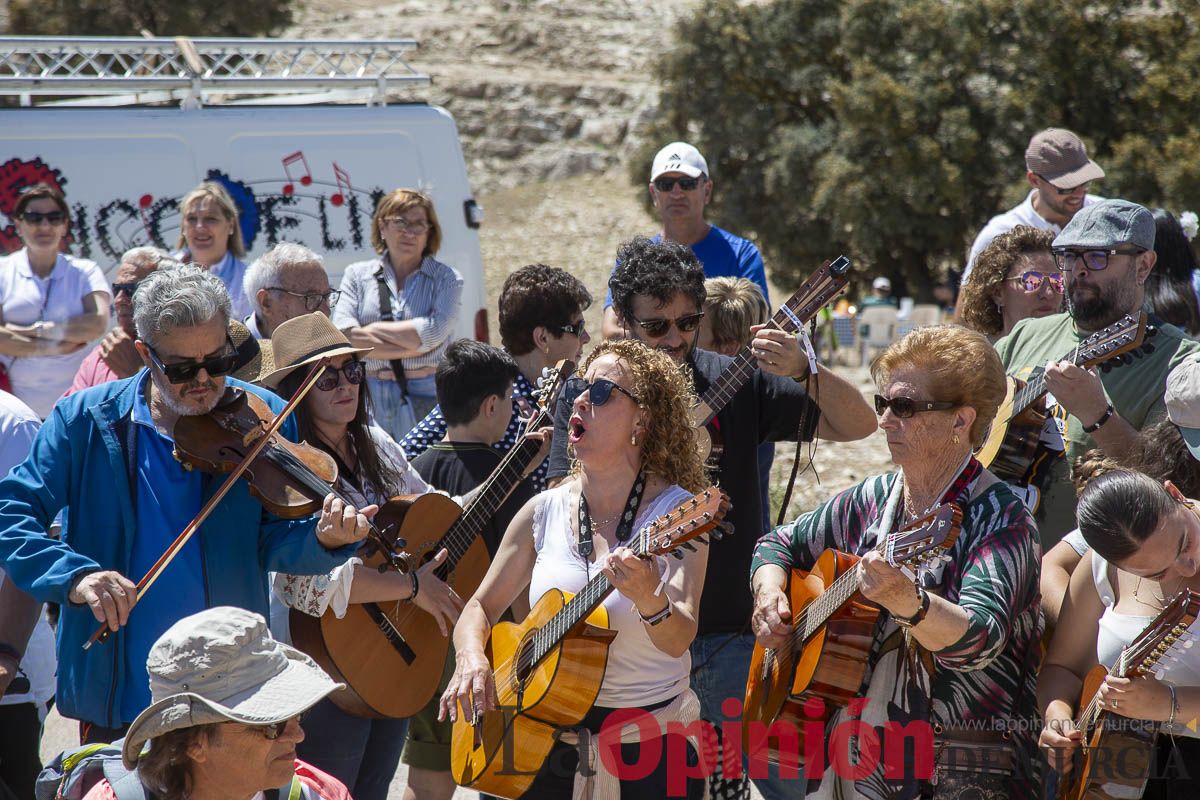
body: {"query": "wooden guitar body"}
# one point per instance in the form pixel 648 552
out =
pixel 1118 758
pixel 1012 441
pixel 391 655
pixel 829 667
pixel 503 753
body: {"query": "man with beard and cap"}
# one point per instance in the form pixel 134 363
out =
pixel 658 292
pixel 1105 254
pixel 105 455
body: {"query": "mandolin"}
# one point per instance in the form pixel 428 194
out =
pixel 549 668
pixel 817 290
pixel 1012 442
pixel 390 656
pixel 1117 756
pixel 833 627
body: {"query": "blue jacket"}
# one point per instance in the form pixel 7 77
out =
pixel 78 462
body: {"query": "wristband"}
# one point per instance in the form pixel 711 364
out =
pixel 1105 417
pixel 416 585
pixel 917 618
pixel 657 618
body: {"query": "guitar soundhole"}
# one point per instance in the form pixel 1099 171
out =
pixel 524 661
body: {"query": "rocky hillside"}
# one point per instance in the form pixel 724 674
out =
pixel 541 90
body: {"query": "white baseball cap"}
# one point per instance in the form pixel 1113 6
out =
pixel 679 157
pixel 882 284
pixel 1183 403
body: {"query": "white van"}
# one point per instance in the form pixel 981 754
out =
pixel 310 174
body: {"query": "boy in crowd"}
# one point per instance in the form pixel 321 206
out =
pixel 731 306
pixel 474 389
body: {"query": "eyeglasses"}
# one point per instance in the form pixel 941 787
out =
pixel 354 370
pixel 1032 281
pixel 657 328
pixel 312 300
pixel 1094 260
pixel 127 288
pixel 188 370
pixel 574 328
pixel 276 729
pixel 599 390
pixel 905 407
pixel 667 184
pixel 1083 187
pixel 38 217
pixel 401 225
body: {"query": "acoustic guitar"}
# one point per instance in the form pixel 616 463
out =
pixel 817 290
pixel 391 655
pixel 833 627
pixel 1011 446
pixel 549 668
pixel 1117 756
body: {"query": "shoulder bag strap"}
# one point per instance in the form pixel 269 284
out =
pixel 385 315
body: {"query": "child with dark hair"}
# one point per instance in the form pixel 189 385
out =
pixel 474 390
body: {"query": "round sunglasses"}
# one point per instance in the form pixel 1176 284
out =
pixel 905 407
pixel 1031 281
pixel 599 391
pixel 354 370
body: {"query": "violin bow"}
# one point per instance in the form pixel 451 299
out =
pixel 102 632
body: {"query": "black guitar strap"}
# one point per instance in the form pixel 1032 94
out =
pixel 385 315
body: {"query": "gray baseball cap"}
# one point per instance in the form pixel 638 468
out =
pixel 1107 224
pixel 1061 157
pixel 1183 402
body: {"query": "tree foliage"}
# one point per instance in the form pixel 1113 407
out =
pixel 891 130
pixel 160 17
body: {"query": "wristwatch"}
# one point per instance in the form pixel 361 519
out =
pixel 922 610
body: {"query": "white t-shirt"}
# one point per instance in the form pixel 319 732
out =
pixel 638 673
pixel 18 426
pixel 26 299
pixel 1003 223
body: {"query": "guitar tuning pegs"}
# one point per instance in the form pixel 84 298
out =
pixel 689 546
pixel 1106 366
pixel 1147 347
pixel 723 530
pixel 677 554
pixel 1138 354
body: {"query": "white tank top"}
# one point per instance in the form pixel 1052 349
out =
pixel 1118 630
pixel 638 673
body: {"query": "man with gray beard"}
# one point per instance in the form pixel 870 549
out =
pixel 1105 254
pixel 105 455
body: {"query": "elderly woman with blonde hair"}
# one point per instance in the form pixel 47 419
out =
pixel 635 458
pixel 956 647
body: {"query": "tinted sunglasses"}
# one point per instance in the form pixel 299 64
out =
pixel 1032 281
pixel 38 217
pixel 1083 187
pixel 354 370
pixel 599 390
pixel 276 729
pixel 1094 260
pixel 188 370
pixel 574 328
pixel 657 328
pixel 667 184
pixel 905 407
pixel 127 288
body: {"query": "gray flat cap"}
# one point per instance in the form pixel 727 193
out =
pixel 1107 224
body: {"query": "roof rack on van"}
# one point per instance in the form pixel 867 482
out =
pixel 128 70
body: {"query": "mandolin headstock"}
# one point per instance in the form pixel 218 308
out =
pixel 926 540
pixel 689 520
pixel 826 283
pixel 1116 344
pixel 550 384
pixel 1164 639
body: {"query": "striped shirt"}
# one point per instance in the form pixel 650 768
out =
pixel 432 297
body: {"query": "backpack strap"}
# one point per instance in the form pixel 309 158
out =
pixel 385 315
pixel 289 791
pixel 127 786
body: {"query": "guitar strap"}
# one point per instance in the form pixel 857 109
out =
pixel 385 315
pixel 812 387
pixel 624 526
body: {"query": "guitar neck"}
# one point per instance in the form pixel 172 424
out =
pixel 495 490
pixel 577 609
pixel 819 611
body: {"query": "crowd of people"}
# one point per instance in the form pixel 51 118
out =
pixel 200 675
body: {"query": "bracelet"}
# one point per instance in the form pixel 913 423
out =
pixel 922 610
pixel 655 619
pixel 1095 426
pixel 1174 705
pixel 416 585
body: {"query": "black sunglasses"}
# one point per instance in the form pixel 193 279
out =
pixel 38 217
pixel 127 288
pixel 905 407
pixel 276 729
pixel 574 328
pixel 1064 192
pixel 354 370
pixel 599 390
pixel 657 328
pixel 188 370
pixel 667 184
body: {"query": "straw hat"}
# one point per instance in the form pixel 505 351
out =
pixel 222 665
pixel 254 357
pixel 303 340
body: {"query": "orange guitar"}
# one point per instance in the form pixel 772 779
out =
pixel 833 629
pixel 1118 753
pixel 548 668
pixel 390 656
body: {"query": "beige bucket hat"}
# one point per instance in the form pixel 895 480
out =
pixel 222 665
pixel 303 340
pixel 254 356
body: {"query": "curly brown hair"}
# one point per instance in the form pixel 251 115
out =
pixel 1159 451
pixel 669 445
pixel 166 768
pixel 977 301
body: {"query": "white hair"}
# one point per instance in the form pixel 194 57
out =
pixel 267 270
pixel 146 256
pixel 177 297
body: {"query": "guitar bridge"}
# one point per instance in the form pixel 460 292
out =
pixel 394 637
